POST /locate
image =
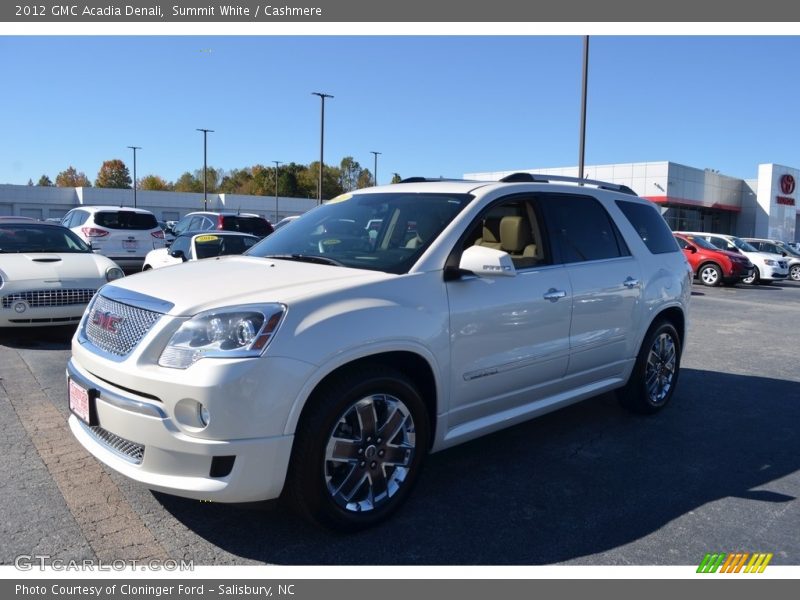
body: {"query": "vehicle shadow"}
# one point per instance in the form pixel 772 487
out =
pixel 43 338
pixel 583 480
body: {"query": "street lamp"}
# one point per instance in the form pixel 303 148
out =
pixel 322 97
pixel 205 166
pixel 375 172
pixel 581 148
pixel 134 148
pixel 277 164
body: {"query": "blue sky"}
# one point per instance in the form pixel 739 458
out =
pixel 437 105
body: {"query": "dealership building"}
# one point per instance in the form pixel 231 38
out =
pixel 693 199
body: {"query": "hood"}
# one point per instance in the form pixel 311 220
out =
pixel 63 267
pixel 200 285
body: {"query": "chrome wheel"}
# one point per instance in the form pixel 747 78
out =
pixel 794 272
pixel 710 275
pixel 661 368
pixel 369 453
pixel 753 278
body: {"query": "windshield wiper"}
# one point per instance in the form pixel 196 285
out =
pixel 309 258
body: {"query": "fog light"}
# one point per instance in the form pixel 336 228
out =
pixel 202 414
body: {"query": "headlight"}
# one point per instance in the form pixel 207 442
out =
pixel 231 332
pixel 770 262
pixel 113 273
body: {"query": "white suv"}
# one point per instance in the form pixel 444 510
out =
pixel 327 362
pixel 768 267
pixel 125 235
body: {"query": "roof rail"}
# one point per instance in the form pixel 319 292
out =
pixel 426 179
pixel 542 178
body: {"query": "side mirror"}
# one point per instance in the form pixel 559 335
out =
pixel 178 254
pixel 692 249
pixel 487 262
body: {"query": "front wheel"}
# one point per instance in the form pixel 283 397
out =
pixel 710 275
pixel 754 278
pixel 655 374
pixel 794 272
pixel 359 450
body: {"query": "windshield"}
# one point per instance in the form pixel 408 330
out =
pixel 789 250
pixel 381 232
pixel 19 237
pixel 700 242
pixel 742 245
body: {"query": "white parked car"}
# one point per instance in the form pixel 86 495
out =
pixel 768 267
pixel 326 363
pixel 125 235
pixel 47 274
pixel 779 249
pixel 194 246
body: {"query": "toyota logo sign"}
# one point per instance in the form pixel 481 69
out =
pixel 787 184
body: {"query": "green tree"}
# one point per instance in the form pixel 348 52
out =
pixel 72 178
pixel 213 179
pixel 154 183
pixel 188 183
pixel 237 181
pixel 44 181
pixel 113 174
pixel 365 179
pixel 349 173
pixel 396 178
pixel 308 180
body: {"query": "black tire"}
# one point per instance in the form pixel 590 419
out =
pixel 371 477
pixel 709 274
pixel 754 279
pixel 794 272
pixel 655 374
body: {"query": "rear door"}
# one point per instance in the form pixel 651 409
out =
pixel 606 285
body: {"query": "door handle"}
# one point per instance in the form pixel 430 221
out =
pixel 554 295
pixel 630 282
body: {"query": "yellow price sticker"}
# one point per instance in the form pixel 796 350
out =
pixel 206 238
pixel 339 198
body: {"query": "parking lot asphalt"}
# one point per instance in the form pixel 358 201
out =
pixel 717 471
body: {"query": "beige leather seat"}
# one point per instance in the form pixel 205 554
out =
pixel 516 238
pixel 490 235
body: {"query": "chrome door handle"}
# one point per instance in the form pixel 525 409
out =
pixel 554 295
pixel 630 282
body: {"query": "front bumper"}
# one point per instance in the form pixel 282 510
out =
pixel 137 436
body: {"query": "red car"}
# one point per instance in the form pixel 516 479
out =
pixel 711 265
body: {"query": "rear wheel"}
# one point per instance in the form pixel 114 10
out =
pixel 655 374
pixel 359 450
pixel 710 274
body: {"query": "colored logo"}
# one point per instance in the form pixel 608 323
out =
pixel 787 184
pixel 106 320
pixel 738 562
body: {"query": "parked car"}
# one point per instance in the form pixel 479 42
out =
pixel 782 249
pixel 195 246
pixel 767 268
pixel 711 265
pixel 285 221
pixel 125 235
pixel 47 274
pixel 324 371
pixel 223 221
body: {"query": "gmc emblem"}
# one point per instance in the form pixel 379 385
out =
pixel 107 320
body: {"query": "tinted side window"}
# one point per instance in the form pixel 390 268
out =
pixel 181 243
pixel 581 229
pixel 253 225
pixel 682 243
pixel 80 218
pixel 650 226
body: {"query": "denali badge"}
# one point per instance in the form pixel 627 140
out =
pixel 106 320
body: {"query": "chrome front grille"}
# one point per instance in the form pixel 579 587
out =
pixel 130 451
pixel 53 297
pixel 115 327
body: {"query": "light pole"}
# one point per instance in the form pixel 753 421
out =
pixel 205 166
pixel 375 171
pixel 134 148
pixel 322 97
pixel 277 164
pixel 581 148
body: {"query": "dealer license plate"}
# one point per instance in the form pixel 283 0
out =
pixel 129 244
pixel 79 401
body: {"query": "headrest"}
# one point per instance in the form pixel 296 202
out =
pixel 514 234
